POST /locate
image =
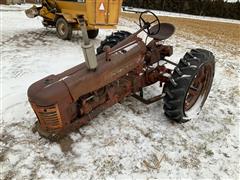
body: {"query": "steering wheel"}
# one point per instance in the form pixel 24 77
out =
pixel 148 25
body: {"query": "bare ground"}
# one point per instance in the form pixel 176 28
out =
pixel 225 36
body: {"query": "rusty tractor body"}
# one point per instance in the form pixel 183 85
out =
pixel 66 101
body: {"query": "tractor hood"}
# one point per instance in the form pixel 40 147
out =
pixel 79 81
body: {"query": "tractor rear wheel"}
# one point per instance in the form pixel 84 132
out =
pixel 191 82
pixel 112 40
pixel 92 34
pixel 64 29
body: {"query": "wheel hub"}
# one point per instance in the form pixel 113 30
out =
pixel 62 29
pixel 199 88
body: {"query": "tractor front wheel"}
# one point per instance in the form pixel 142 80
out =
pixel 92 34
pixel 189 87
pixel 64 29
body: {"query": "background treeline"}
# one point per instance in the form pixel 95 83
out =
pixel 215 8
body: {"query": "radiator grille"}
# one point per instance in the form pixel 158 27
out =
pixel 48 116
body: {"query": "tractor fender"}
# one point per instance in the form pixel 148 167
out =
pixel 68 17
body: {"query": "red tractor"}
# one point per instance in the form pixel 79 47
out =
pixel 124 65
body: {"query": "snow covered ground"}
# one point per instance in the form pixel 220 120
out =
pixel 127 141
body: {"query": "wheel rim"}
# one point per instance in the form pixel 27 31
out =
pixel 61 29
pixel 198 90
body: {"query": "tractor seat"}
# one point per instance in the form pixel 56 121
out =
pixel 166 31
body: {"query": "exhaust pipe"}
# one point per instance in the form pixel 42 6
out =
pixel 87 46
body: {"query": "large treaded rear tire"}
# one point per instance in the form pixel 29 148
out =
pixel 191 82
pixel 112 40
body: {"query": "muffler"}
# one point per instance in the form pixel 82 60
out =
pixel 87 46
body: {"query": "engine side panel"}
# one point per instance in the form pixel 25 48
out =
pixel 85 81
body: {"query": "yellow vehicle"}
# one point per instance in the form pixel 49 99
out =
pixel 64 14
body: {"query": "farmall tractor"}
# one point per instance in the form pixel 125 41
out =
pixel 124 65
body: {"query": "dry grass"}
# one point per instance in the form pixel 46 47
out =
pixel 223 35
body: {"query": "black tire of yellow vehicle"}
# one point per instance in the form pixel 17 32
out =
pixel 92 34
pixel 64 29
